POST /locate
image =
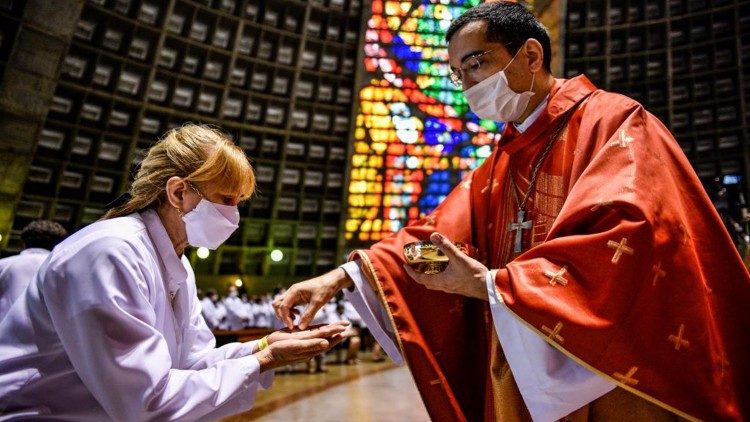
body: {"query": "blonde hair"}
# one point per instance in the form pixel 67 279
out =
pixel 196 153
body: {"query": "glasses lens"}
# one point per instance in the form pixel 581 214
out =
pixel 455 79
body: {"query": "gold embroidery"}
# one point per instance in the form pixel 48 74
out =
pixel 677 339
pixel 554 334
pixel 658 273
pixel 549 199
pixel 620 248
pixel 624 139
pixel 557 277
pixel 495 184
pixel 435 382
pixel 466 185
pixel 627 378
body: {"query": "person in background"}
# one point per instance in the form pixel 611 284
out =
pixel 318 363
pixel 237 315
pixel 213 310
pixel 262 312
pixel 111 327
pixel 16 272
pixel 351 335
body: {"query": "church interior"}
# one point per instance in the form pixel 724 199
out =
pixel 351 123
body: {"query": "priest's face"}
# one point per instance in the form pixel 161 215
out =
pixel 474 58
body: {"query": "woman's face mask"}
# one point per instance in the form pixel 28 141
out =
pixel 209 224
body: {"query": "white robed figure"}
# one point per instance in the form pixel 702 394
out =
pixel 111 327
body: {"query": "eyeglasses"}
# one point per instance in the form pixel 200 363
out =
pixel 470 65
pixel 196 190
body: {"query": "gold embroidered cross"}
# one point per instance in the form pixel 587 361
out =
pixel 625 139
pixel 430 219
pixel 677 339
pixel 467 184
pixel 557 277
pixel 494 185
pixel 554 334
pixel 658 272
pixel 601 203
pixel 627 378
pixel 620 248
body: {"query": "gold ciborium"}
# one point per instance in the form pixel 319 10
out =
pixel 424 257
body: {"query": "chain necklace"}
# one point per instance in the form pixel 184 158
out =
pixel 519 225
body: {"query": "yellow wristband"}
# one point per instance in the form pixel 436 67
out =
pixel 263 343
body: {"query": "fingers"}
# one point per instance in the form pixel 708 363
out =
pixel 322 331
pixel 333 341
pixel 445 245
pixel 310 346
pixel 342 323
pixel 413 274
pixel 285 308
pixel 309 313
pixel 432 282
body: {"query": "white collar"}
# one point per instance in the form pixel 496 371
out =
pixel 521 127
pixel 34 251
pixel 176 272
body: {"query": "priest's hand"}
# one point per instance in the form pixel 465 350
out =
pixel 464 275
pixel 288 347
pixel 314 293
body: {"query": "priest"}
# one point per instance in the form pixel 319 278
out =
pixel 605 286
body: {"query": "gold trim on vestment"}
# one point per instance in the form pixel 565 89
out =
pixel 371 269
pixel 596 371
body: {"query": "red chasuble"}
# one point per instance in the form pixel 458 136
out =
pixel 626 268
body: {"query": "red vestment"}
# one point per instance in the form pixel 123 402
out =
pixel 627 269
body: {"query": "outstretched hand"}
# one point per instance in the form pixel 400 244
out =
pixel 321 331
pixel 289 346
pixel 464 275
pixel 315 293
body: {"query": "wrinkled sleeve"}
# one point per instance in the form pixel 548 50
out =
pixel 372 311
pixel 100 308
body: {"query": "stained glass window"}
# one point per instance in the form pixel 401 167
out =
pixel 415 136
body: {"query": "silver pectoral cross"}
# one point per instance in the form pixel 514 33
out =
pixel 518 227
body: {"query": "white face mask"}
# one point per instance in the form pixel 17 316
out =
pixel 493 99
pixel 209 225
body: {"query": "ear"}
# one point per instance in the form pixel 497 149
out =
pixel 535 53
pixel 175 191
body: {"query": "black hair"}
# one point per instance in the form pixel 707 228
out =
pixel 43 234
pixel 508 23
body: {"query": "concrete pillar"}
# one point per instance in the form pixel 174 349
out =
pixel 26 91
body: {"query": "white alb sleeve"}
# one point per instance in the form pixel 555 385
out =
pixel 551 384
pixel 373 313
